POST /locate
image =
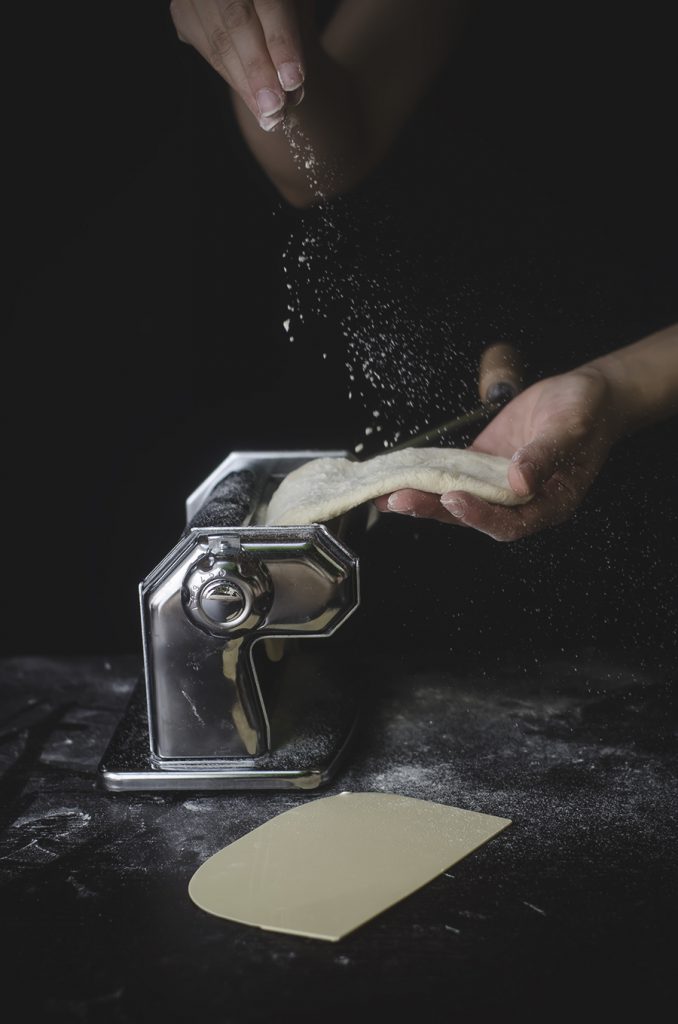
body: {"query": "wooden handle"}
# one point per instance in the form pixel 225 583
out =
pixel 500 374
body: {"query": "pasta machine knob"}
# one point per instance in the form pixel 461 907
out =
pixel 229 594
pixel 222 601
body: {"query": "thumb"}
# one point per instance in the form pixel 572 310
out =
pixel 536 462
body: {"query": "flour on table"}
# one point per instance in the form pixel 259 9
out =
pixel 324 488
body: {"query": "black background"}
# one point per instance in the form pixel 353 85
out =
pixel 146 297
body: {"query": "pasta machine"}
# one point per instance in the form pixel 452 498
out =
pixel 235 694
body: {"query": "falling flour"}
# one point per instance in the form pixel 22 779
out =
pixel 400 359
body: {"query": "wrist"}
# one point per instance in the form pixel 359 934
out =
pixel 621 399
pixel 643 377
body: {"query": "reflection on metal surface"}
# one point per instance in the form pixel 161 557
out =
pixel 274 647
pixel 245 728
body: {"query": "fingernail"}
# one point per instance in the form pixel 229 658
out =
pixel 454 506
pixel 295 98
pixel 269 123
pixel 269 102
pixel 398 503
pixel 290 76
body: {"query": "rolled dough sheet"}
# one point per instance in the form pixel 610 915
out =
pixel 324 868
pixel 324 488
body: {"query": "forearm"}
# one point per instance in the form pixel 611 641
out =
pixel 643 378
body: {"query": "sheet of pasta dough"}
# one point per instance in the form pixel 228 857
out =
pixel 324 488
pixel 329 865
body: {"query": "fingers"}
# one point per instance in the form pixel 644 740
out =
pixel 496 521
pixel 457 508
pixel 238 44
pixel 552 506
pixel 281 33
pixel 420 504
pixel 199 23
pixel 253 44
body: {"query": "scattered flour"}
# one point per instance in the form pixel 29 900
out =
pixel 399 355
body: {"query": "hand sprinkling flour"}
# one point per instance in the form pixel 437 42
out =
pixel 319 109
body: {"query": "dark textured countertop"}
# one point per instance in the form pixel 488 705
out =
pixel 573 907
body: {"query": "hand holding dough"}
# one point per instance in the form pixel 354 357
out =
pixel 324 488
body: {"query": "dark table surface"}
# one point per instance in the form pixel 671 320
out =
pixel 573 906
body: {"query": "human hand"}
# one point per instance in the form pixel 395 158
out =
pixel 557 434
pixel 255 45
